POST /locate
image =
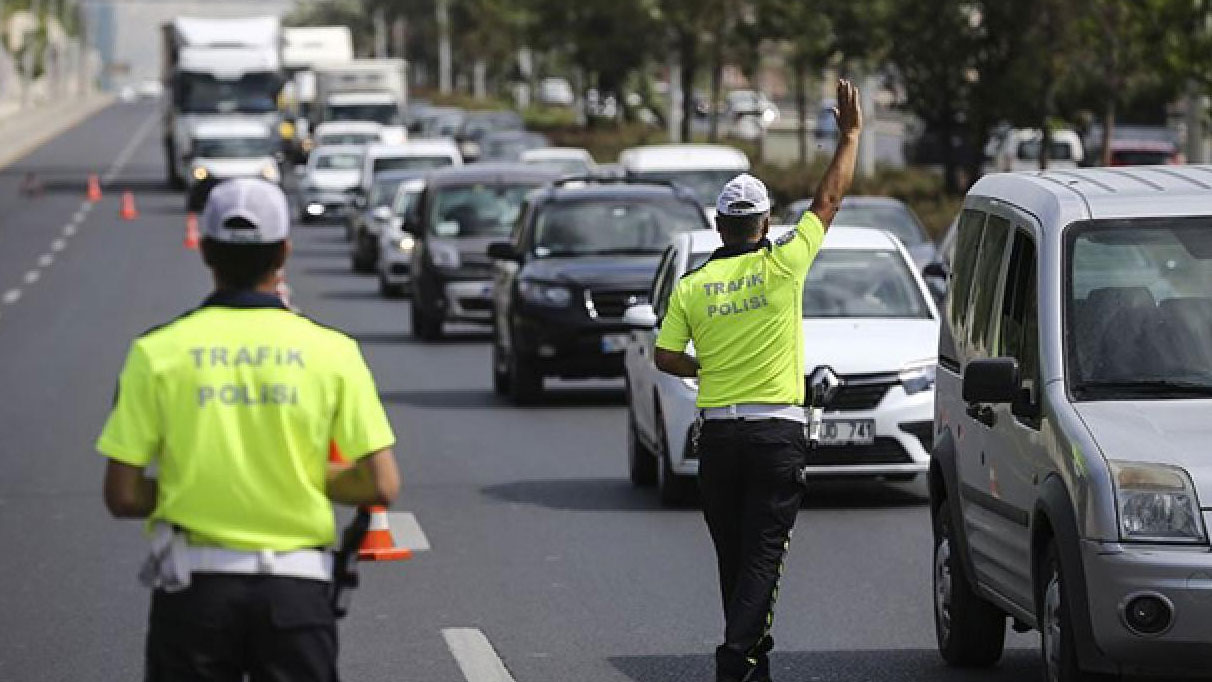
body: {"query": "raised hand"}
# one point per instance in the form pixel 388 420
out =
pixel 848 113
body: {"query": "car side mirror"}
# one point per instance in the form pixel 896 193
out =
pixel 935 269
pixel 823 386
pixel 640 316
pixel 994 380
pixel 503 251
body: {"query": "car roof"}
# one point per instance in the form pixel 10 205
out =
pixel 326 149
pixel 577 191
pixel 394 175
pixel 1059 197
pixel 229 128
pixel 490 172
pixel 706 241
pixel 349 127
pixel 429 147
pixel 683 157
pixel 546 153
pixel 850 200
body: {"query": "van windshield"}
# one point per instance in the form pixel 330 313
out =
pixel 704 184
pixel 1139 313
pixel 233 148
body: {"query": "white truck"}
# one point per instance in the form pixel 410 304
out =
pixel 364 90
pixel 305 49
pixel 214 68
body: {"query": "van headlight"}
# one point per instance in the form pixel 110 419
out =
pixel 918 376
pixel 548 295
pixel 1157 503
pixel 270 172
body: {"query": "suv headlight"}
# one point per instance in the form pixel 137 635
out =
pixel 406 242
pixel 200 173
pixel 444 256
pixel 1156 503
pixel 549 295
pixel 918 376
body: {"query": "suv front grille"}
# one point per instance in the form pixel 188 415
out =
pixel 883 451
pixel 611 304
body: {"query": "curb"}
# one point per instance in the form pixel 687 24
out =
pixel 28 130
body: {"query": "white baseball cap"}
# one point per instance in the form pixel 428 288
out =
pixel 261 205
pixel 744 195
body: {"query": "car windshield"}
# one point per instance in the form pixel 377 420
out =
pixel 895 219
pixel 387 114
pixel 1139 157
pixel 383 192
pixel 1139 313
pixel 477 210
pixel 233 148
pixel 390 163
pixel 599 227
pixel 348 138
pixel 864 283
pixel 406 198
pixel 339 162
pixel 704 184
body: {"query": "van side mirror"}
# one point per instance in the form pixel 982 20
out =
pixel 503 251
pixel 640 316
pixel 994 380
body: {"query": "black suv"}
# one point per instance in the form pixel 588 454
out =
pixel 461 211
pixel 583 251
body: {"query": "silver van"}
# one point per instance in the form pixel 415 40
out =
pixel 1069 488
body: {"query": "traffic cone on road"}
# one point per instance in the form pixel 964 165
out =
pixel 129 212
pixel 94 188
pixel 191 231
pixel 378 545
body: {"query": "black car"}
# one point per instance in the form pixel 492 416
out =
pixel 583 252
pixel 373 215
pixel 477 124
pixel 461 211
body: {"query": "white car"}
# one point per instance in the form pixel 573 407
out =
pixel 347 132
pixel 566 160
pixel 704 169
pixel 1018 150
pixel 867 314
pixel 415 155
pixel 395 245
pixel 225 148
pixel 330 175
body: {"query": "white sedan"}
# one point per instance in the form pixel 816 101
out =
pixel 867 314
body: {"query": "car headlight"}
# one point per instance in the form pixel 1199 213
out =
pixel 549 295
pixel 1157 503
pixel 918 376
pixel 406 243
pixel 444 256
pixel 200 173
pixel 270 172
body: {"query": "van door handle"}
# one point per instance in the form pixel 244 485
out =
pixel 983 414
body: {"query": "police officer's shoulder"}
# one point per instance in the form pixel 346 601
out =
pixel 151 332
pixel 334 335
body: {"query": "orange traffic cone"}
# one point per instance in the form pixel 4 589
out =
pixel 378 545
pixel 94 188
pixel 129 212
pixel 191 231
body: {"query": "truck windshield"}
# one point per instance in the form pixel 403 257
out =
pixel 233 148
pixel 387 114
pixel 862 283
pixel 705 184
pixel 587 228
pixel 1139 309
pixel 477 210
pixel 204 94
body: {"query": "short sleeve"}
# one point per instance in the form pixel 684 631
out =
pixel 360 426
pixel 675 330
pixel 796 250
pixel 135 429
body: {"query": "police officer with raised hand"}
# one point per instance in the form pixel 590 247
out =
pixel 235 404
pixel 742 310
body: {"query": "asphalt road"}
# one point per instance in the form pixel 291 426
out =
pixel 537 540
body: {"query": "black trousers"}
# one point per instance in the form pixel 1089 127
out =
pixel 747 477
pixel 224 627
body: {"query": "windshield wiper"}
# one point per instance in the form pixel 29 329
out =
pixel 1148 386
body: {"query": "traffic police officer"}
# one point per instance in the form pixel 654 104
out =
pixel 235 404
pixel 742 310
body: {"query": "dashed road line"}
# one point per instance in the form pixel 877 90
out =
pixel 45 260
pixel 69 229
pixel 407 532
pixel 32 276
pixel 11 296
pixel 78 217
pixel 475 655
pixel 59 245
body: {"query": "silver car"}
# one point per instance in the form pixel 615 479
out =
pixel 1069 487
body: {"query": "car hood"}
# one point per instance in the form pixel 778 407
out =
pixel 334 179
pixel 234 168
pixel 1161 431
pixel 868 346
pixel 622 272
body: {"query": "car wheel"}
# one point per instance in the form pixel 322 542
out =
pixel 525 381
pixel 672 489
pixel 1057 642
pixel 500 367
pixel 425 326
pixel 389 290
pixel 970 631
pixel 641 462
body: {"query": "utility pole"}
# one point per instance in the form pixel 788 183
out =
pixel 445 67
pixel 675 95
pixel 380 30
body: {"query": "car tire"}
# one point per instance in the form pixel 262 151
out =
pixel 1058 647
pixel 970 631
pixel 641 461
pixel 525 381
pixel 500 367
pixel 425 326
pixel 673 490
pixel 389 290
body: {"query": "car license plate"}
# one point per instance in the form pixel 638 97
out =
pixel 848 432
pixel 614 343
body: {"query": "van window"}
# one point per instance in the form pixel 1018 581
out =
pixel 1018 335
pixel 985 281
pixel 966 244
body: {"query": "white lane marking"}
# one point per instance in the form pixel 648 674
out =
pixel 45 260
pixel 407 532
pixel 475 655
pixel 78 217
pixel 11 296
pixel 58 245
pixel 32 276
pixel 86 207
pixel 69 229
pixel 129 150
